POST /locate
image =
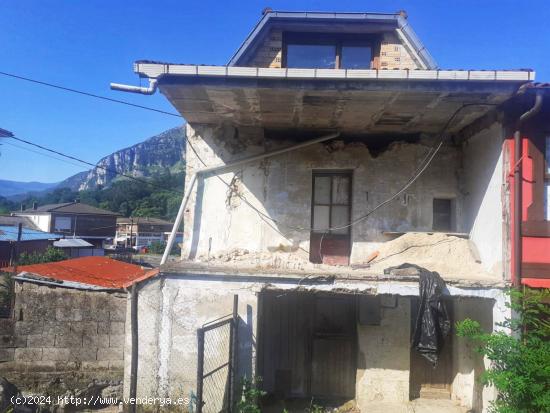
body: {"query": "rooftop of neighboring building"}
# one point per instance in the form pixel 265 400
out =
pixel 10 233
pixel 142 220
pixel 102 272
pixel 75 207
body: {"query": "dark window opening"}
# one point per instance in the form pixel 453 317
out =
pixel 443 216
pixel 331 202
pixel 328 51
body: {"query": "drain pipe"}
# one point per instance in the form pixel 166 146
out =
pixel 218 169
pixel 518 201
pixel 153 83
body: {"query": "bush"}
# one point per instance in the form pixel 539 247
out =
pixel 520 362
pixel 50 255
pixel 158 247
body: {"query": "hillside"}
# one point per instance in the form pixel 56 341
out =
pixel 155 156
pixel 11 188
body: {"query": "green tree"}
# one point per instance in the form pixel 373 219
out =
pixel 520 362
pixel 50 255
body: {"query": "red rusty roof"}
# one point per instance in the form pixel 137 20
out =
pixel 98 271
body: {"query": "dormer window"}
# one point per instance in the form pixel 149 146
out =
pixel 328 51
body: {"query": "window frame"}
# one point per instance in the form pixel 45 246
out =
pixel 331 173
pixel 334 39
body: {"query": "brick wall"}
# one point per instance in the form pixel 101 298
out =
pixel 270 52
pixel 59 332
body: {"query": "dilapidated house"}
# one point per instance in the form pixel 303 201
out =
pixel 328 151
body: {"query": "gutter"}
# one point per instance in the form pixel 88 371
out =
pixel 153 83
pixel 518 176
pixel 217 169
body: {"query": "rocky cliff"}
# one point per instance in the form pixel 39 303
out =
pixel 158 154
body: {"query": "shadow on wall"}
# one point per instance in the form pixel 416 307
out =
pixel 247 346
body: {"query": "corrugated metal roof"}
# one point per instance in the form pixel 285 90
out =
pixel 143 220
pixel 72 243
pixel 68 208
pixel 9 233
pixel 99 271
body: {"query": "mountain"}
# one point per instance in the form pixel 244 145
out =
pixel 11 188
pixel 157 155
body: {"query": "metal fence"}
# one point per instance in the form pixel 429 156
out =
pixel 216 365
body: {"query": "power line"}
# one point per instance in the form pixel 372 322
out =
pixel 113 171
pixel 80 92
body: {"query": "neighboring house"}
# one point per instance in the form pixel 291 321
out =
pixel 330 148
pixel 73 219
pixel 31 241
pixel 68 322
pixel 141 231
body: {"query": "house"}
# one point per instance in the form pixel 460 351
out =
pixel 73 219
pixel 327 153
pixel 66 329
pixel 31 241
pixel 141 231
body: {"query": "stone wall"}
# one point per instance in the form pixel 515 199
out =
pixel 75 335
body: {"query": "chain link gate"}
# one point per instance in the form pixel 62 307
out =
pixel 216 366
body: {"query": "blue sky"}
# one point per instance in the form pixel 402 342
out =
pixel 88 44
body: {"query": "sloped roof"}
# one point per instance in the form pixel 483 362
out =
pixel 68 208
pixel 385 21
pixel 143 220
pixel 72 243
pixel 96 271
pixel 9 233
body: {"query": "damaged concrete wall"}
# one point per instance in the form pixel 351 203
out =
pixel 219 217
pixel 482 183
pixel 170 312
pixel 384 355
pixel 74 335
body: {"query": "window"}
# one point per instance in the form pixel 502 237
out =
pixel 547 180
pixel 331 202
pixel 62 224
pixel 328 51
pixel 443 215
pixel 311 56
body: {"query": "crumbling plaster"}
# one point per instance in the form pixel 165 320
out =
pixel 168 341
pixel 220 217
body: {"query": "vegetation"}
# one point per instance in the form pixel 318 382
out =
pixel 520 362
pixel 159 199
pixel 250 397
pixel 50 255
pixel 157 247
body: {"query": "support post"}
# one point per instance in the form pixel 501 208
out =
pixel 135 343
pixel 200 367
pixel 234 350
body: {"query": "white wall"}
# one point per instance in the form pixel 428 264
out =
pixel 483 186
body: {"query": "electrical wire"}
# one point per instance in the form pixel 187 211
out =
pixel 74 158
pixel 80 92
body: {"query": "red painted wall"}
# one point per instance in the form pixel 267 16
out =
pixel 535 250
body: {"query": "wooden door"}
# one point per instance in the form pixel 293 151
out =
pixel 427 381
pixel 333 363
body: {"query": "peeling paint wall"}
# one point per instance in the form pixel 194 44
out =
pixel 168 341
pixel 219 216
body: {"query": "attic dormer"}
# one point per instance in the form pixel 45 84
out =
pixel 333 41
